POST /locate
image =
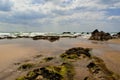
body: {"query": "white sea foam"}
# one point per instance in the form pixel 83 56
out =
pixel 32 34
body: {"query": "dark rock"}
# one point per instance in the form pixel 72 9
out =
pixel 62 72
pixel 99 71
pixel 116 36
pixel 38 56
pixel 53 38
pixel 48 59
pixel 100 35
pixel 38 37
pixel 91 65
pixel 66 33
pixel 50 38
pixel 75 53
pixel 10 37
pixel 26 66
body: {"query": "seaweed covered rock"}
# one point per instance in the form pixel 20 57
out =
pixel 47 59
pixel 99 71
pixel 50 38
pixel 26 66
pixel 62 72
pixel 75 53
pixel 100 35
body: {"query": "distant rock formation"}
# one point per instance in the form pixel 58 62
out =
pixel 100 35
pixel 50 38
pixel 116 36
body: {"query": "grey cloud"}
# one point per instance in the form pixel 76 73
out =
pixel 61 12
pixel 38 1
pixel 28 15
pixel 108 1
pixel 5 5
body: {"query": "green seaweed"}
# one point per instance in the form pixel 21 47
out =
pixel 47 59
pixel 26 66
pixel 21 78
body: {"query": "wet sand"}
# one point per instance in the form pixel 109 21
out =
pixel 117 41
pixel 12 51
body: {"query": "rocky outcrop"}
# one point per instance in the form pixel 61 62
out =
pixel 75 53
pixel 99 71
pixel 50 38
pixel 65 68
pixel 100 36
pixel 62 72
pixel 116 36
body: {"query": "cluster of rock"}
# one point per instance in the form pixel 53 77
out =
pixel 50 38
pixel 75 53
pixel 99 71
pixel 45 36
pixel 100 35
pixel 65 70
pixel 116 36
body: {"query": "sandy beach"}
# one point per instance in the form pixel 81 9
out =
pixel 20 50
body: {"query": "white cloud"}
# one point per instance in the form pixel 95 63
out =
pixel 117 5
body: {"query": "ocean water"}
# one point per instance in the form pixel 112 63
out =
pixel 31 34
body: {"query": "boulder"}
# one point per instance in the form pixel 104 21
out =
pixel 76 53
pixel 100 35
pixel 116 36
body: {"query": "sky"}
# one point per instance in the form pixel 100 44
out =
pixel 59 15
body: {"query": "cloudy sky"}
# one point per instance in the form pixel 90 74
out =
pixel 59 15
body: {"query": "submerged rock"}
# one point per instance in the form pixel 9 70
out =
pixel 100 36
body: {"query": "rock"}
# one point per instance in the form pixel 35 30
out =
pixel 39 78
pixel 66 33
pixel 26 66
pixel 38 37
pixel 47 59
pixel 53 38
pixel 64 71
pixel 100 35
pixel 38 56
pixel 99 71
pixel 50 38
pixel 116 36
pixel 75 53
